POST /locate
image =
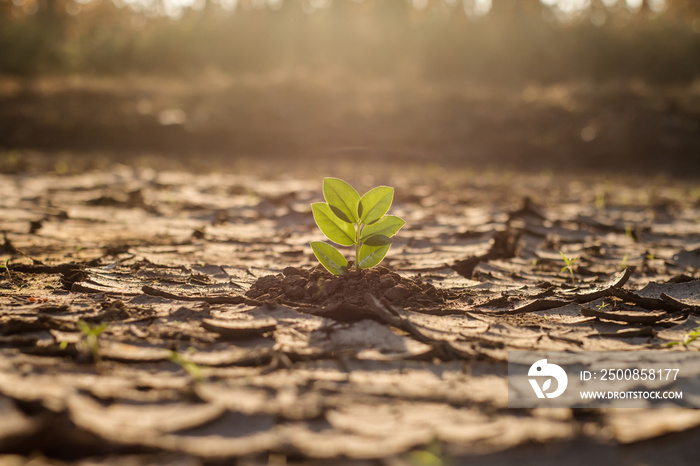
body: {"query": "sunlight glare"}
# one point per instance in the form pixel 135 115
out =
pixel 657 6
pixel 573 6
pixel 275 4
pixel 634 5
pixel 420 5
pixel 589 133
pixel 477 7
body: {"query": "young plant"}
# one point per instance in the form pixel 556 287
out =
pixel 190 367
pixel 623 262
pixel 431 455
pixel 7 269
pixel 89 340
pixel 569 266
pixel 688 339
pixel 350 220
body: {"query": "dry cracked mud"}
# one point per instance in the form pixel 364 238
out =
pixel 224 340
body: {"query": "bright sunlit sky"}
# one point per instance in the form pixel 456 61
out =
pixel 473 7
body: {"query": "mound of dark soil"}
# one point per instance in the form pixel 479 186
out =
pixel 316 286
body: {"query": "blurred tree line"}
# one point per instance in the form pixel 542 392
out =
pixel 501 40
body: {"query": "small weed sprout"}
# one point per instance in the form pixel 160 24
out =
pixel 89 340
pixel 350 220
pixel 7 269
pixel 623 263
pixel 431 455
pixel 600 200
pixel 569 266
pixel 190 367
pixel 602 306
pixel 688 339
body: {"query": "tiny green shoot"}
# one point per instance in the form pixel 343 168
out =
pixel 569 266
pixel 190 367
pixel 348 219
pixel 688 339
pixel 600 201
pixel 89 340
pixel 623 263
pixel 7 269
pixel 431 455
pixel 602 306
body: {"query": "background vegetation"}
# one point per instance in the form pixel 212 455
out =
pixel 503 40
pixel 532 84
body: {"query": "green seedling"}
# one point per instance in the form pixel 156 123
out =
pixel 431 455
pixel 623 263
pixel 688 339
pixel 190 367
pixel 602 306
pixel 569 266
pixel 89 340
pixel 350 220
pixel 7 269
pixel 600 201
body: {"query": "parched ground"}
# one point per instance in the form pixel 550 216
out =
pixel 220 340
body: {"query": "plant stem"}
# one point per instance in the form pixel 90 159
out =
pixel 357 248
pixel 7 269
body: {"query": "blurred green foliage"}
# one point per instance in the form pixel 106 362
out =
pixel 517 40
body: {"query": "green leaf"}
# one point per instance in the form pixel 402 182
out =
pixel 334 228
pixel 339 213
pixel 377 240
pixel 343 197
pixel 375 203
pixel 387 226
pixel 372 255
pixel 329 257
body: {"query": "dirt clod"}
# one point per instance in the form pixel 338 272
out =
pixel 291 271
pixel 396 293
pixel 294 281
pixel 387 281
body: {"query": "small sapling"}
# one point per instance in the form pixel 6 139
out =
pixel 190 367
pixel 7 269
pixel 569 266
pixel 89 340
pixel 350 220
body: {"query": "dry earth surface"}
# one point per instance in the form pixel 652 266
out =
pixel 197 365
